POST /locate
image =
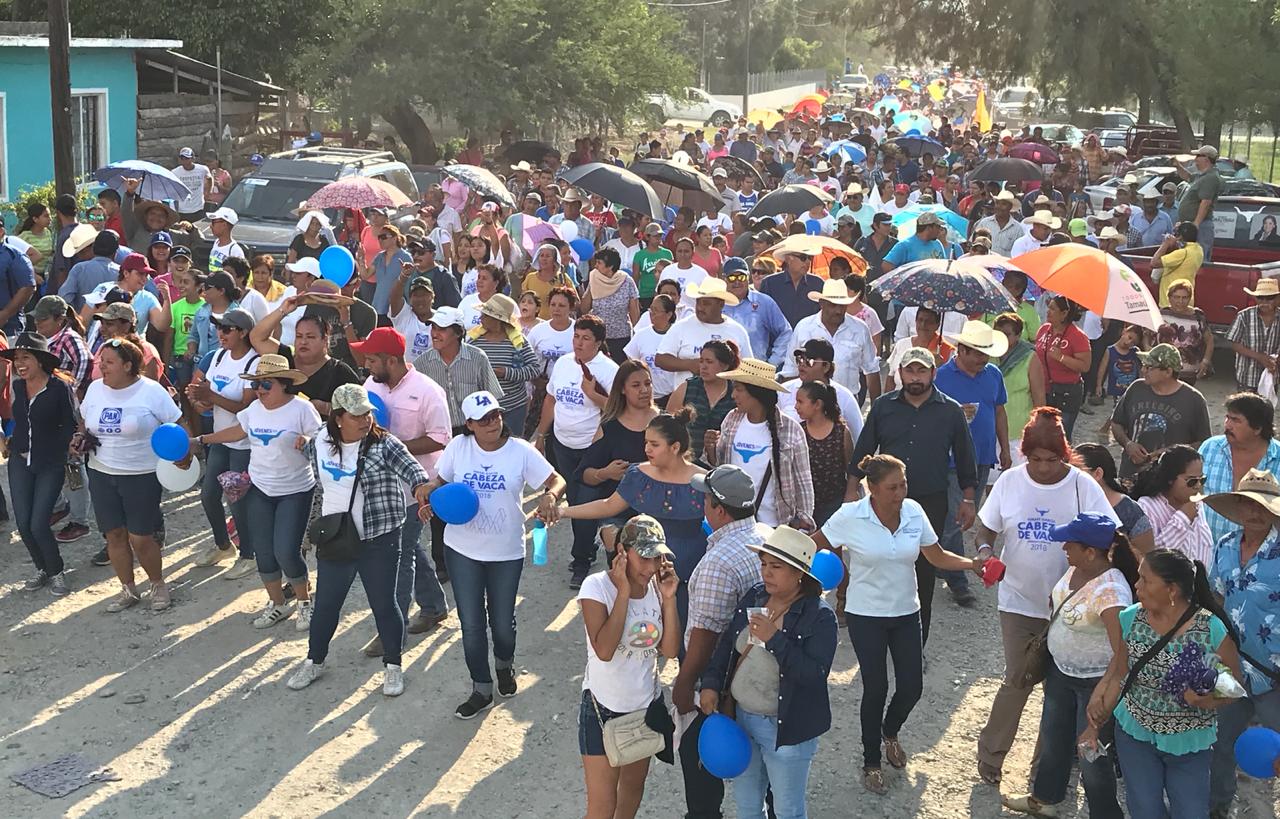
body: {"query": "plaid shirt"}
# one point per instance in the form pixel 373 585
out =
pixel 725 573
pixel 795 484
pixel 1249 330
pixel 67 345
pixel 388 469
pixel 470 372
pixel 1218 476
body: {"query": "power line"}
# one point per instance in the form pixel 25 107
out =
pixel 690 5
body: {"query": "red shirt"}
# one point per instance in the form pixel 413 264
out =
pixel 601 218
pixel 1071 342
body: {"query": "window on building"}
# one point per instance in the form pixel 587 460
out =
pixel 4 148
pixel 88 131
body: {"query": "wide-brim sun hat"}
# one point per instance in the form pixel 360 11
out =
pixel 35 344
pixel 791 546
pixel 712 289
pixel 978 335
pixel 834 291
pixel 140 210
pixel 1257 486
pixel 1266 287
pixel 276 366
pixel 81 236
pixel 755 372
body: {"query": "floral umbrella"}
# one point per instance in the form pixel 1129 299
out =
pixel 942 285
pixel 358 193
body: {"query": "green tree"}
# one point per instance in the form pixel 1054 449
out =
pixel 794 53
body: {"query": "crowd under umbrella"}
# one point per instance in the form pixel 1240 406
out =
pixel 847 150
pixel 358 193
pixel 483 182
pixel 1035 152
pixel 617 185
pixel 917 146
pixel 790 199
pixel 999 266
pixel 1093 279
pixel 736 166
pixel 865 140
pixel 157 182
pixel 941 284
pixel 679 185
pixel 954 222
pixel 1006 169
pixel 529 150
pixel 821 249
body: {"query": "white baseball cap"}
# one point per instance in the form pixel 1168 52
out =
pixel 307 264
pixel 479 404
pixel 187 153
pixel 225 214
pixel 447 316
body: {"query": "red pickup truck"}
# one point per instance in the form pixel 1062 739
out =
pixel 1246 248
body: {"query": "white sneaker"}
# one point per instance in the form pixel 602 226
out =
pixel 243 566
pixel 214 555
pixel 303 622
pixel 305 675
pixel 272 615
pixel 392 681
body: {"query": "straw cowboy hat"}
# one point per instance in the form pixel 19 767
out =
pixel 978 335
pixel 755 372
pixel 1044 218
pixel 1266 287
pixel 502 307
pixel 140 210
pixel 712 289
pixel 274 366
pixel 81 237
pixel 522 166
pixel 791 546
pixel 834 291
pixel 1257 486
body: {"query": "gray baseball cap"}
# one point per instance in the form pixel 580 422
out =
pixel 729 485
pixel 238 318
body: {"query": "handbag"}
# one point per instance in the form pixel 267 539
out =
pixel 334 535
pixel 629 737
pixel 1037 654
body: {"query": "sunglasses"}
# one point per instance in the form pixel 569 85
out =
pixel 1266 298
pixel 226 328
pixel 807 360
pixel 93 218
pixel 763 271
pixel 1194 480
pixel 264 386
pixel 737 277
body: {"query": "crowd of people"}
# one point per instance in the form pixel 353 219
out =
pixel 688 400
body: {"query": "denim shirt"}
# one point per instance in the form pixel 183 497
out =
pixel 767 328
pixel 804 646
pixel 203 332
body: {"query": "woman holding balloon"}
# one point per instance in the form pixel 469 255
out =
pixel 880 536
pixel 119 413
pixel 770 672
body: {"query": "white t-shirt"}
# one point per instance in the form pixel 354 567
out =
pixel 123 421
pixel 224 377
pixel 627 254
pixel 417 334
pixel 550 343
pixel 1078 639
pixel 498 478
pixel 337 478
pixel 693 274
pixel 646 321
pixel 644 346
pixel 255 304
pixel 194 180
pixel 881 563
pixel 1025 244
pixel 1022 512
pixel 687 337
pixel 850 412
pixel 825 223
pixel 752 449
pixel 576 416
pixel 220 252
pixel 952 325
pixel 276 466
pixel 626 682
pixel 869 318
pixel 470 307
pixel 720 224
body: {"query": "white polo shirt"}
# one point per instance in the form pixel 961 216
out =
pixel 881 564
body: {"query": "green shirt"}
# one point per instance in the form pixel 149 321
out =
pixel 183 313
pixel 1207 185
pixel 646 261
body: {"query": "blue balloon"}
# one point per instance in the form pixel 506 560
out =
pixel 1256 752
pixel 8 433
pixel 455 503
pixel 812 227
pixel 381 413
pixel 828 568
pixel 170 442
pixel 583 248
pixel 723 747
pixel 337 264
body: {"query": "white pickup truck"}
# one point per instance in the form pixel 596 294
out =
pixel 696 105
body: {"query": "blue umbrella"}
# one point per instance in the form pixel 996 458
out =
pixel 939 284
pixel 918 146
pixel 949 217
pixel 158 182
pixel 908 121
pixel 850 151
pixel 882 80
pixel 892 103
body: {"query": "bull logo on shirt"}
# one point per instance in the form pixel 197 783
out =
pixel 336 472
pixel 266 436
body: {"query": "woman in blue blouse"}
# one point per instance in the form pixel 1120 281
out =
pixel 774 664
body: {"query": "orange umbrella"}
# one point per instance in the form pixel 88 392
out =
pixel 1098 281
pixel 822 248
pixel 808 107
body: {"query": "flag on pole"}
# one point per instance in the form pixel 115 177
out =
pixel 981 115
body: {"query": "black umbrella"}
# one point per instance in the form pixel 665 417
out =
pixel 483 182
pixel 529 150
pixel 1006 169
pixel 865 140
pixel 619 185
pixel 793 199
pixel 736 166
pixel 917 146
pixel 679 185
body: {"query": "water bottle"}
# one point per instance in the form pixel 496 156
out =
pixel 706 528
pixel 539 543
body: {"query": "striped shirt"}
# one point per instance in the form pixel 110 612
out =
pixel 520 367
pixel 1249 329
pixel 469 372
pixel 724 574
pixel 68 346
pixel 1174 530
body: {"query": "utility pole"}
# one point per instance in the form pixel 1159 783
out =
pixel 746 65
pixel 64 174
pixel 704 82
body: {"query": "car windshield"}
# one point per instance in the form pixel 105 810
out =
pixel 856 79
pixel 270 199
pixel 1015 94
pixel 1142 177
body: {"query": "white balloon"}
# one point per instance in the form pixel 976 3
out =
pixel 569 230
pixel 176 479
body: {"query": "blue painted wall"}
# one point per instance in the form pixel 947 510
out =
pixel 28 135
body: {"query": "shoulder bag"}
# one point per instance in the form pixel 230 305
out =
pixel 1038 659
pixel 334 535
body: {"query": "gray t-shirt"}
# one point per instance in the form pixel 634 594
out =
pixel 1207 185
pixel 1160 421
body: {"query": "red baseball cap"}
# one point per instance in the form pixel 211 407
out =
pixel 382 341
pixel 902 188
pixel 136 262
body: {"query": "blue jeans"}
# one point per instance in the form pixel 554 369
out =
pixel 417 575
pixel 783 770
pixel 952 536
pixel 485 595
pixel 1232 720
pixel 33 493
pixel 1149 774
pixel 281 522
pixel 221 458
pixel 1062 721
pixel 1205 238
pixel 874 640
pixel 376 566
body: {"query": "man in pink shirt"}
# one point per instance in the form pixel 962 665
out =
pixel 419 416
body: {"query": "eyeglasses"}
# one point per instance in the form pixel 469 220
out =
pixel 1194 480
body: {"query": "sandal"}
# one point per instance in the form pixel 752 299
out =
pixel 873 781
pixel 894 753
pixel 1030 805
pixel 989 774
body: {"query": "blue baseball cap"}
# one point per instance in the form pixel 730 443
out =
pixel 161 238
pixel 1088 528
pixel 735 264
